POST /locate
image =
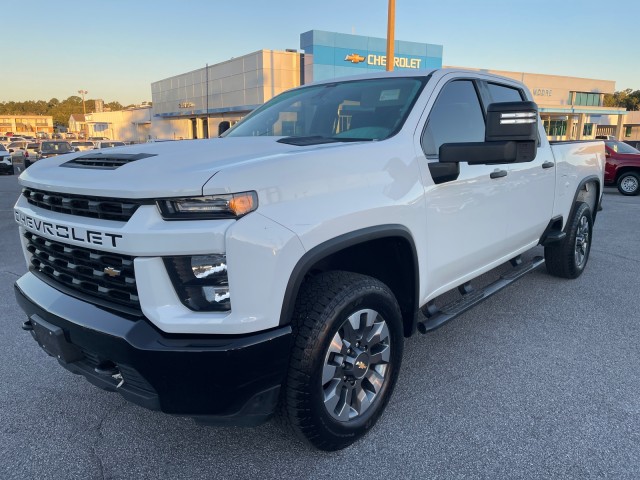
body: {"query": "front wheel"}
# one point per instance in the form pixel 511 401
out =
pixel 629 183
pixel 345 360
pixel 568 258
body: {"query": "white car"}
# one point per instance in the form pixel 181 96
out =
pixel 108 144
pixel 6 163
pixel 4 140
pixel 83 145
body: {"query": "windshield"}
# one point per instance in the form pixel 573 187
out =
pixel 58 147
pixel 372 109
pixel 621 147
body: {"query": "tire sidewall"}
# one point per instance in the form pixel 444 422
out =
pixel 582 210
pixel 384 303
pixel 622 178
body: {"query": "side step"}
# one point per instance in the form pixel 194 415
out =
pixel 435 317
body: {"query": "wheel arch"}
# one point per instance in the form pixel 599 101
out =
pixel 360 252
pixel 587 195
pixel 627 168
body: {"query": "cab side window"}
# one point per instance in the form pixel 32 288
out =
pixel 502 93
pixel 456 117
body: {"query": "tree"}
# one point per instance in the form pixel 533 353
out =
pixel 628 99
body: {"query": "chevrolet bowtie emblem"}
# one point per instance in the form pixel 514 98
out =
pixel 112 272
pixel 361 365
pixel 354 58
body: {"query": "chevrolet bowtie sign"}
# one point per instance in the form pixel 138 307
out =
pixel 381 60
pixel 354 58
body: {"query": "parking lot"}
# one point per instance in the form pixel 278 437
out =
pixel 540 381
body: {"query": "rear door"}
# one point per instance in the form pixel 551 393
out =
pixel 531 184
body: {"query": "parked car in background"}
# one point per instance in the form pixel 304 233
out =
pixel 82 145
pixel 7 139
pixel 623 167
pixel 19 154
pixel 6 162
pixel 55 147
pixel 34 150
pixel 108 144
pixel 98 138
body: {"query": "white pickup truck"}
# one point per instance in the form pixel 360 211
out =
pixel 278 269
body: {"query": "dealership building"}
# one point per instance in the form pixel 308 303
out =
pixel 195 104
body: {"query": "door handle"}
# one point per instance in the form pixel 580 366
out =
pixel 548 164
pixel 498 173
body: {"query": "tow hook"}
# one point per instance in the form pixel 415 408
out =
pixel 110 369
pixel 28 326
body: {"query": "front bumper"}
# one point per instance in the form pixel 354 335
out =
pixel 232 380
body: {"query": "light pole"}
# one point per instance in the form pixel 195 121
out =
pixel 391 31
pixel 84 111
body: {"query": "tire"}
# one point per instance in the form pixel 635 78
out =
pixel 568 258
pixel 629 183
pixel 336 389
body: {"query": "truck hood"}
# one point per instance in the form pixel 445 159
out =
pixel 153 170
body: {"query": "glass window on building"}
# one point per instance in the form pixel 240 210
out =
pixel 627 131
pixel 586 99
pixel 587 130
pixel 555 128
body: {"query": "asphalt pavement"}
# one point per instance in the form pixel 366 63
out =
pixel 540 381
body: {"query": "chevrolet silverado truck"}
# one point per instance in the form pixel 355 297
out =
pixel 276 270
pixel 622 167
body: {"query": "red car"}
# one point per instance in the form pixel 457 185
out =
pixel 623 167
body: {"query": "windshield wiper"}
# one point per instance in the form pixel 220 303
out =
pixel 310 140
pixel 318 139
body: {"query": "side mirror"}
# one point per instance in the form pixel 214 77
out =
pixel 516 121
pixel 11 150
pixel 76 149
pixel 511 135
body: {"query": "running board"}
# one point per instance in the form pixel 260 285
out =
pixel 435 317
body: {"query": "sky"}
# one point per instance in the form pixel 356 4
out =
pixel 115 49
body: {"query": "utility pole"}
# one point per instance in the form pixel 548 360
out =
pixel 84 111
pixel 83 93
pixel 391 29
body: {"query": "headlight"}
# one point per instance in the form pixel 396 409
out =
pixel 233 205
pixel 201 281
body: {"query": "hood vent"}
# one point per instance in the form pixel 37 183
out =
pixel 105 161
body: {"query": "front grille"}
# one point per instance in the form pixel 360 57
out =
pixel 85 270
pixel 84 206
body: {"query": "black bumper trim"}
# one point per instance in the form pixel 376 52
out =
pixel 231 380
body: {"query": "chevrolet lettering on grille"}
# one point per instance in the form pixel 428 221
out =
pixel 91 237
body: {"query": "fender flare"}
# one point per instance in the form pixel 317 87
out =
pixel 591 178
pixel 336 244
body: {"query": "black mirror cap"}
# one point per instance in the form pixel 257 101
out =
pixel 512 121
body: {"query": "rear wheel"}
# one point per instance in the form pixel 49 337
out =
pixel 629 183
pixel 568 258
pixel 345 360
